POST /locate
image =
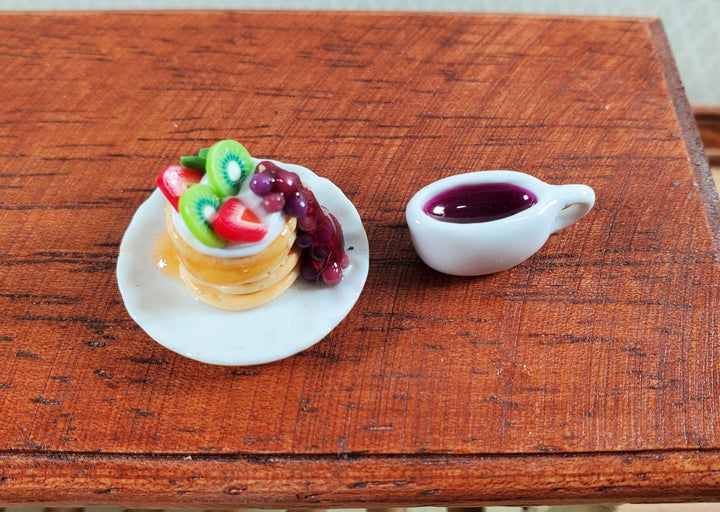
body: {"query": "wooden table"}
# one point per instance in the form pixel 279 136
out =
pixel 590 372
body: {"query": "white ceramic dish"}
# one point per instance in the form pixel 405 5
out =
pixel 478 248
pixel 169 313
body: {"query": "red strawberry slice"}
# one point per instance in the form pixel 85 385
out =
pixel 238 223
pixel 175 180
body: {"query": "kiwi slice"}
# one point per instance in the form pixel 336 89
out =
pixel 198 206
pixel 228 164
pixel 203 153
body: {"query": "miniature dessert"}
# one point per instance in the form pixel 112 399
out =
pixel 244 231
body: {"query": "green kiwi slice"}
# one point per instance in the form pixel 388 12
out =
pixel 228 164
pixel 203 153
pixel 198 206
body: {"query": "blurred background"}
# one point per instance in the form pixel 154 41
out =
pixel 692 26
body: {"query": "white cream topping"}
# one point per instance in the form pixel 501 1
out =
pixel 274 221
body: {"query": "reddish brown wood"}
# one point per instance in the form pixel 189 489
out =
pixel 588 373
pixel 708 121
pixel 282 482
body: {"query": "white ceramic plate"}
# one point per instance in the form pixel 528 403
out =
pixel 171 315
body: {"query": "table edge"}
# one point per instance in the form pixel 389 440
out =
pixel 356 480
pixel 697 158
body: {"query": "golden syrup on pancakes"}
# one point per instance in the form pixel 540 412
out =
pixel 164 257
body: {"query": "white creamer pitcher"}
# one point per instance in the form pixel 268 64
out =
pixel 487 221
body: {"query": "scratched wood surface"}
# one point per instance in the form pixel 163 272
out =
pixel 708 122
pixel 588 373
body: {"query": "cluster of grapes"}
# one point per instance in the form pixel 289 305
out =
pixel 319 234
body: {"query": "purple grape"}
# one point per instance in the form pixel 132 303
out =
pixel 332 274
pixel 296 205
pixel 308 272
pixel 273 202
pixel 262 183
pixel 320 253
pixel 344 260
pixel 304 240
pixel 286 182
pixel 267 166
pixel 308 221
pixel 324 231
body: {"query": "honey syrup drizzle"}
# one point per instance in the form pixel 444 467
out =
pixel 164 257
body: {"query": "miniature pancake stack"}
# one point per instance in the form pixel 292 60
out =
pixel 242 282
pixel 242 232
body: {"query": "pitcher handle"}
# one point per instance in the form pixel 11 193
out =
pixel 576 201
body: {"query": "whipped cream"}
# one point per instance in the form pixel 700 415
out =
pixel 274 221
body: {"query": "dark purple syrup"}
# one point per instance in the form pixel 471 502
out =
pixel 481 202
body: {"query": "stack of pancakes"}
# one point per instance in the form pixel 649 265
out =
pixel 238 283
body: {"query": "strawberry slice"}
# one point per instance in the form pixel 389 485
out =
pixel 238 223
pixel 175 180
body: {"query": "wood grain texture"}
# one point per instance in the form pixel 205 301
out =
pixel 588 373
pixel 708 122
